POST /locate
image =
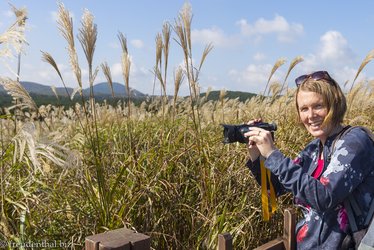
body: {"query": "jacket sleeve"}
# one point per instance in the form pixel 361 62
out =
pixel 349 165
pixel 256 171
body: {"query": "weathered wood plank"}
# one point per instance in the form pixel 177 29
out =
pixel 225 241
pixel 118 239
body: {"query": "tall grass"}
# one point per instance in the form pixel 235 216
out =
pixel 67 174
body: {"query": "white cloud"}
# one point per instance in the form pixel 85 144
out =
pixel 215 36
pixel 116 70
pixel 334 47
pixel 333 52
pixel 9 17
pixel 114 45
pixel 253 78
pixel 259 56
pixel 54 16
pixel 137 43
pixel 9 13
pixel 285 31
pixel 334 55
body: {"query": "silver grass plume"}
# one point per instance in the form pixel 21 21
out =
pixel 53 88
pixel 186 18
pixel 159 47
pixel 19 93
pixel 65 25
pixel 166 43
pixel 277 64
pixel 88 35
pixel 26 137
pixel 368 58
pixel 108 75
pixel 27 143
pixel 14 36
pixel 46 57
pixel 75 91
pixel 158 64
pixel 178 79
pixel 49 59
pixel 207 50
pixel 294 62
pixel 126 64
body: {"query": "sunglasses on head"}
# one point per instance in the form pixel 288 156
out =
pixel 318 75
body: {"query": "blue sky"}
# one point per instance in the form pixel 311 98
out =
pixel 248 38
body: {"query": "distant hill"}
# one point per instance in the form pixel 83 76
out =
pixel 43 94
pixel 243 96
pixel 37 88
pixel 100 90
pixel 103 89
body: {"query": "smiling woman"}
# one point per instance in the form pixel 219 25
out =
pixel 325 175
pixel 312 113
pixel 320 103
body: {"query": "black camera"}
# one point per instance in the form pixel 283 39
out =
pixel 235 133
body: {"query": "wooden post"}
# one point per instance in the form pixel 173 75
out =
pixel 289 226
pixel 288 240
pixel 276 244
pixel 225 241
pixel 119 239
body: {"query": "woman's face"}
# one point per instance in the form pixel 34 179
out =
pixel 312 112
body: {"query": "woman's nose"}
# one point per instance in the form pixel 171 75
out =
pixel 311 113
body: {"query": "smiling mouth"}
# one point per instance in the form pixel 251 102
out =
pixel 315 125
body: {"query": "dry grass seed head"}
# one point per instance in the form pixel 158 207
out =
pixel 18 92
pixel 178 79
pixel 126 62
pixel 222 94
pixel 14 37
pixel 294 62
pixel 186 18
pixel 49 59
pixel 65 25
pixel 166 30
pixel 368 58
pixel 158 49
pixel 53 88
pixel 87 36
pixel 277 65
pixel 108 75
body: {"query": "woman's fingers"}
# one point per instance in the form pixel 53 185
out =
pixel 251 122
pixel 255 132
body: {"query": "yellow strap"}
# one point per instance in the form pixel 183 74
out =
pixel 264 192
pixel 265 178
pixel 273 200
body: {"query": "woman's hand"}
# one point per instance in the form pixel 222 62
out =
pixel 260 141
pixel 253 151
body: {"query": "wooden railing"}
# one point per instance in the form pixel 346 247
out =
pixel 288 240
pixel 126 239
pixel 119 239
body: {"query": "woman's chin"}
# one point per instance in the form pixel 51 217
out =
pixel 316 132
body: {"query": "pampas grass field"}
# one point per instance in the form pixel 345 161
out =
pixel 159 168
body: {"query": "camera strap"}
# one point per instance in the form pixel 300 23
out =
pixel 267 192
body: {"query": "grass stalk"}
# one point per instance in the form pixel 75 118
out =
pixel 126 64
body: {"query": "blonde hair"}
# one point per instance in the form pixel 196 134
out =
pixel 333 98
